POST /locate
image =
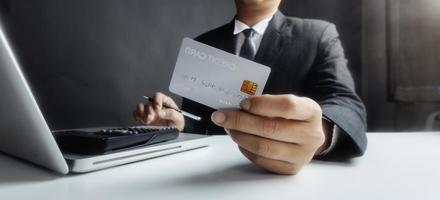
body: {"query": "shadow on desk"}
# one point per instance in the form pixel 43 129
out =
pixel 13 170
pixel 235 175
pixel 239 174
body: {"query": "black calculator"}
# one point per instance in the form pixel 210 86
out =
pixel 105 140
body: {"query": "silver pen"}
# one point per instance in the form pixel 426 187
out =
pixel 184 113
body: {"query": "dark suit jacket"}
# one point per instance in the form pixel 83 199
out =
pixel 307 59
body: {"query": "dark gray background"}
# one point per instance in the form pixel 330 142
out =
pixel 90 61
pixel 377 21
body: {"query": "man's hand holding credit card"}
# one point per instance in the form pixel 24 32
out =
pixel 216 78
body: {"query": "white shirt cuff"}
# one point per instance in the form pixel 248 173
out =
pixel 335 136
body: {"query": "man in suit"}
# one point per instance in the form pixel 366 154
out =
pixel 310 108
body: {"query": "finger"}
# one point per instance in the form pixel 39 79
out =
pixel 285 106
pixel 151 114
pixel 274 166
pixel 282 151
pixel 272 128
pixel 138 118
pixel 160 100
pixel 168 101
pixel 141 110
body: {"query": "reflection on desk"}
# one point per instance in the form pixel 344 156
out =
pixel 396 166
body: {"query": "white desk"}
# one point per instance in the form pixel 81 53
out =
pixel 396 166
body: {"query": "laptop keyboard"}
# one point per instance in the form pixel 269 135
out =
pixel 128 131
pixel 102 141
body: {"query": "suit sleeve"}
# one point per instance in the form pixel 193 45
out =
pixel 330 84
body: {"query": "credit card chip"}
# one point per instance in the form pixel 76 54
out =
pixel 249 87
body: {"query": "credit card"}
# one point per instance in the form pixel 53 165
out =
pixel 216 78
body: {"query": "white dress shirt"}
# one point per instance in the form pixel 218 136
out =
pixel 259 28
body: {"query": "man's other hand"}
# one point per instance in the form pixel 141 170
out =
pixel 157 114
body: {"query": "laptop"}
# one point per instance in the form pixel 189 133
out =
pixel 25 134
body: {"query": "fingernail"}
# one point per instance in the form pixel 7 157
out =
pixel 245 104
pixel 218 117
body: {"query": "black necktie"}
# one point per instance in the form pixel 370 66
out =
pixel 248 49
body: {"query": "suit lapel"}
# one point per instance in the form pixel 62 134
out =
pixel 272 42
pixel 228 40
